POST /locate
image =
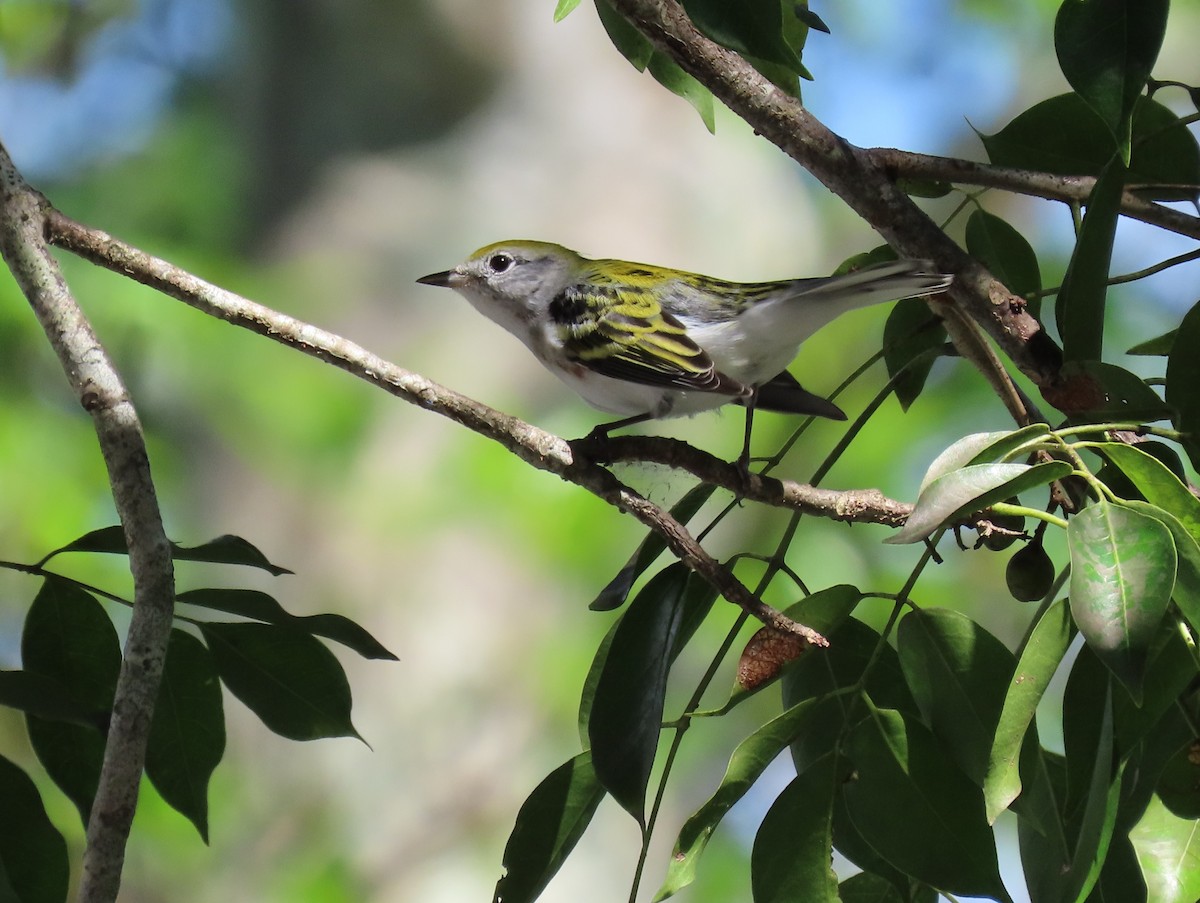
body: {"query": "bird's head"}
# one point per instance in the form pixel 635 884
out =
pixel 512 282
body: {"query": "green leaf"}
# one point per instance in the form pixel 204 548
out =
pixel 187 735
pixel 632 44
pixel 549 824
pixel 626 710
pixel 1006 254
pixel 1183 382
pixel 226 549
pixel 36 694
pixel 1106 392
pixel 641 54
pixel 844 665
pixel 614 595
pixel 668 74
pixel 1159 346
pixel 564 8
pixel 33 856
pixel 1107 49
pixel 290 680
pixel 1039 659
pixel 1178 786
pixel 1187 577
pixel 1122 573
pixel 749 760
pixel 1155 481
pixel 790 859
pixel 1063 136
pixel 1079 308
pixel 68 638
pixel 1099 815
pixel 958 674
pixel 1168 850
pixel 917 810
pixel 260 606
pixel 770 35
pixel 866 887
pixel 980 448
pixel 912 339
pixel 961 492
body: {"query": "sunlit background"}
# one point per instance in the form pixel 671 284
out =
pixel 318 158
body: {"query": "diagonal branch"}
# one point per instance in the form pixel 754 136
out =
pixel 536 447
pixel 101 392
pixel 862 180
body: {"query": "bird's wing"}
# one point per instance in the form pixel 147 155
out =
pixel 622 332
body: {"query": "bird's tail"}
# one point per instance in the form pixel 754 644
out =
pixel 872 284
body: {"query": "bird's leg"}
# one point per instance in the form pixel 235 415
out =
pixel 601 430
pixel 743 459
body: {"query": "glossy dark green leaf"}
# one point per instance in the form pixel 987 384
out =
pixel 1107 49
pixel 1079 308
pixel 33 855
pixel 632 44
pixel 917 810
pixel 549 824
pixel 753 28
pixel 1157 484
pixel 1159 346
pixel 1179 784
pixel 980 448
pixel 1121 877
pixel 1168 850
pixel 68 638
pixel 1006 254
pixel 614 595
pixel 668 74
pixel 912 339
pixel 226 549
pixel 260 606
pixel 290 680
pixel 1187 575
pixel 958 674
pixel 36 694
pixel 627 707
pixel 1099 814
pixel 1183 382
pixel 790 859
pixel 852 646
pixel 1064 136
pixel 866 887
pixel 187 735
pixel 749 760
pixel 1039 658
pixel 1122 574
pixel 954 495
pixel 1115 393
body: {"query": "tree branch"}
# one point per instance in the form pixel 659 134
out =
pixel 1068 189
pixel 100 390
pixel 859 177
pixel 536 447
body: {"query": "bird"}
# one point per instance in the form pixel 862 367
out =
pixel 644 342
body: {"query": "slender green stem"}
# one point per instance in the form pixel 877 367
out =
pixel 1139 428
pixel 1024 511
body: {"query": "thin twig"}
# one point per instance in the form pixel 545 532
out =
pixel 100 390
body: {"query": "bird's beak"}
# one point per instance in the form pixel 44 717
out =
pixel 444 279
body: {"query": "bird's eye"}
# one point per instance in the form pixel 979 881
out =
pixel 499 263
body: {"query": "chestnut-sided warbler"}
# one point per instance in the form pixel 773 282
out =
pixel 646 341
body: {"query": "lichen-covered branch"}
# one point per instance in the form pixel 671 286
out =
pixel 102 394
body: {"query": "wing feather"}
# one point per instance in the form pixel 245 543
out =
pixel 622 332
